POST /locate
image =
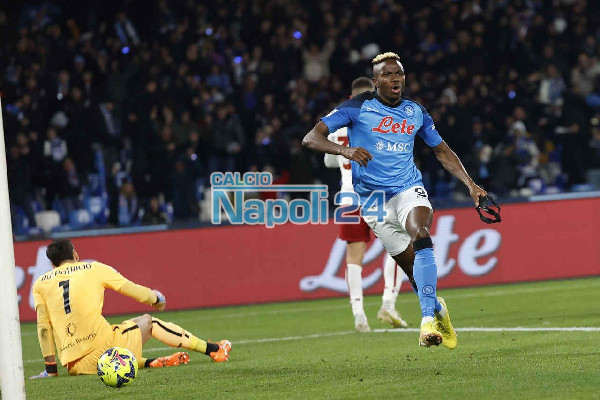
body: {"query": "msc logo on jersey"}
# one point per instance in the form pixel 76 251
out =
pixel 387 125
pixel 409 110
pixel 393 147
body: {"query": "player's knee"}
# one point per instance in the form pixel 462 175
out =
pixel 422 232
pixel 147 319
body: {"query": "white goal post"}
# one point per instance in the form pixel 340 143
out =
pixel 12 378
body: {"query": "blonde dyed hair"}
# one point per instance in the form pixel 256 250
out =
pixel 379 58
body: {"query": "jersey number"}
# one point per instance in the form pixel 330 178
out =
pixel 65 287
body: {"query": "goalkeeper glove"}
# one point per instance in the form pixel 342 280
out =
pixel 161 301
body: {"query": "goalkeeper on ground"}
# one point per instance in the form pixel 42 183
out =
pixel 68 302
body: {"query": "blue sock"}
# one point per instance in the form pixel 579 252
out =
pixel 425 274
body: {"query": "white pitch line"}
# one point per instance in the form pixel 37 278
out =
pixel 224 314
pixel 526 329
pixel 406 330
pixel 402 300
pixel 416 330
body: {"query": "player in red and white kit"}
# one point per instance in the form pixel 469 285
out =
pixel 357 236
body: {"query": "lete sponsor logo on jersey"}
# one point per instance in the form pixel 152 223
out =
pixel 387 125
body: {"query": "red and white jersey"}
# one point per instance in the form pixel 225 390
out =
pixel 337 161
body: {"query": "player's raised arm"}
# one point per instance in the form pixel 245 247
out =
pixel 452 163
pixel 316 139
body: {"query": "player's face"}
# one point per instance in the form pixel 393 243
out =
pixel 75 255
pixel 389 80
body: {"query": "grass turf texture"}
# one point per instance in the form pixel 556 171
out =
pixel 348 365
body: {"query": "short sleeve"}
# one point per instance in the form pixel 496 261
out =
pixel 343 115
pixel 427 132
pixel 109 276
pixel 337 119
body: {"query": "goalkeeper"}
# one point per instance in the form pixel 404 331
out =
pixel 68 302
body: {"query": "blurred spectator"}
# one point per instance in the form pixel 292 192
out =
pixel 584 75
pixel 126 31
pixel 19 184
pixel 526 151
pixel 54 147
pixel 70 185
pixel 593 154
pixel 183 128
pixel 593 99
pixel 316 61
pixel 552 86
pixel 184 193
pixel 219 79
pixel 153 215
pixel 478 165
pixel 108 126
pixel 227 139
pixel 128 205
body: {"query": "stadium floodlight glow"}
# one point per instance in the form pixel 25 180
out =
pixel 12 380
pixel 512 94
pixel 237 60
pixel 297 35
pixel 125 50
pixel 208 31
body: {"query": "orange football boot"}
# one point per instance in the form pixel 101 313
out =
pixel 222 354
pixel 171 361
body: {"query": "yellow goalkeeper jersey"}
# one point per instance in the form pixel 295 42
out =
pixel 73 295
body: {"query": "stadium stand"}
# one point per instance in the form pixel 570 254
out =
pixel 108 111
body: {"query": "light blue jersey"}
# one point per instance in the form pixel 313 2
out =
pixel 388 133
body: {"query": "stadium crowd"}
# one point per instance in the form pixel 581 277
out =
pixel 168 92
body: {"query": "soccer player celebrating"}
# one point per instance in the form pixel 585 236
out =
pixel 357 236
pixel 68 302
pixel 385 123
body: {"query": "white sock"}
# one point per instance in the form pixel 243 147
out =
pixel 354 281
pixel 426 320
pixel 399 279
pixel 390 293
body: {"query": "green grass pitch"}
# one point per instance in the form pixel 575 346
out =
pixel 308 350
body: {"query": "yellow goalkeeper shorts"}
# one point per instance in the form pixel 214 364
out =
pixel 126 334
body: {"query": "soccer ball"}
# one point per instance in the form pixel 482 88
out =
pixel 117 367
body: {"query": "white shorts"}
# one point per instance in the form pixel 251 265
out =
pixel 391 231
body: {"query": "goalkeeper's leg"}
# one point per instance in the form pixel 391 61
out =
pixel 175 336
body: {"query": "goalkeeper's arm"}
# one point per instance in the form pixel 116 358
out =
pixel 143 294
pixel 46 339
